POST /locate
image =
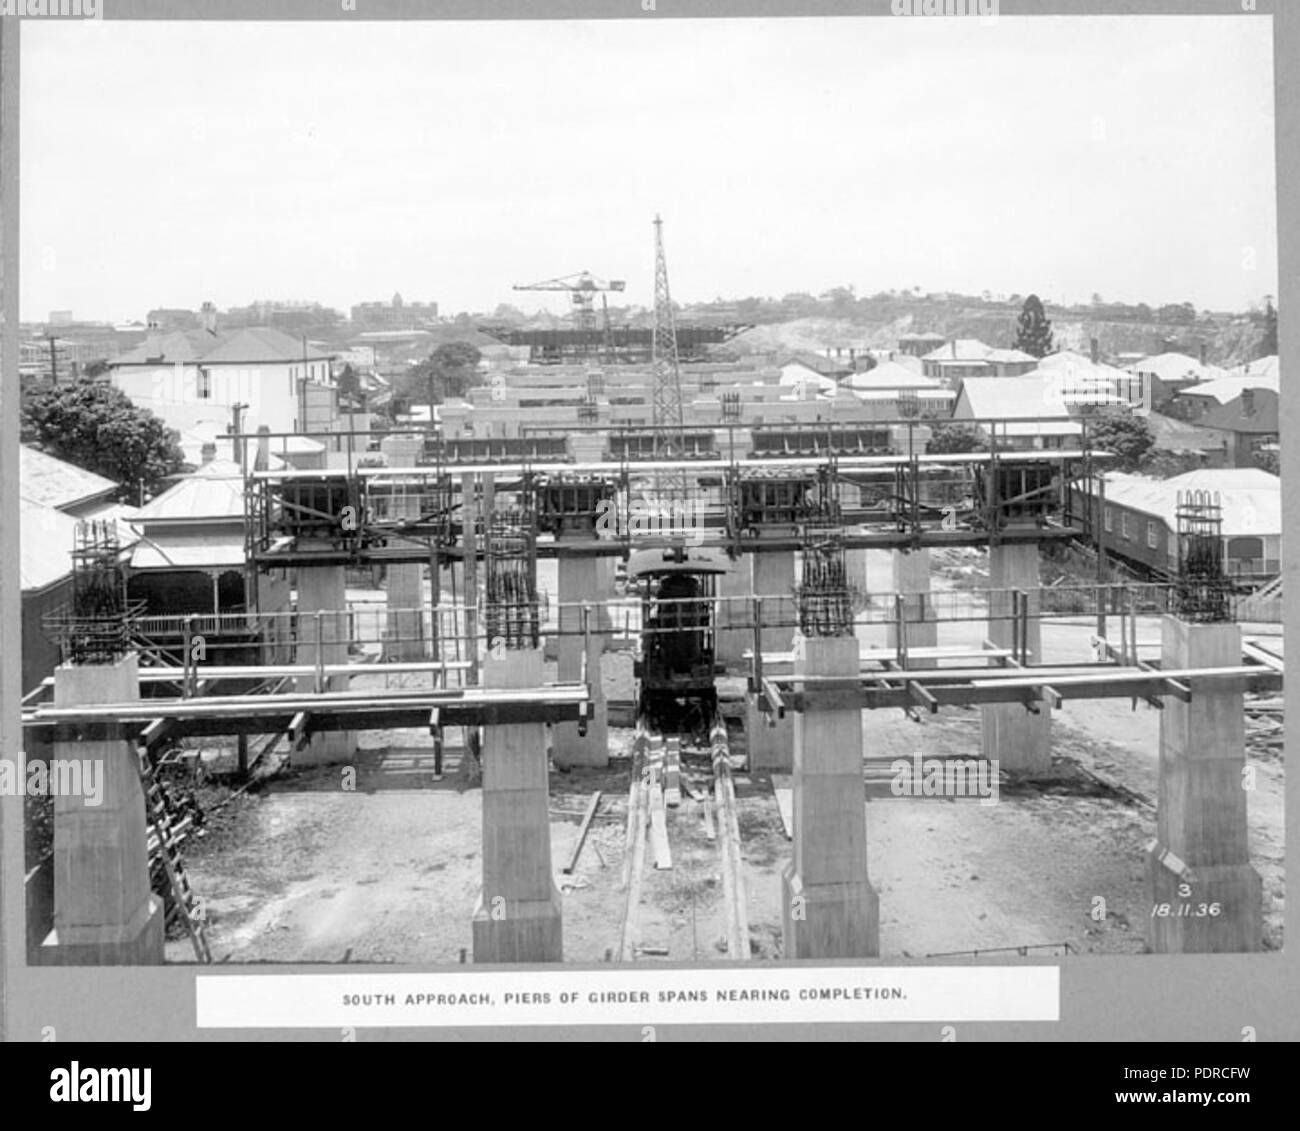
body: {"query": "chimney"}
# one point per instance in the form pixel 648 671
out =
pixel 208 317
pixel 1202 353
pixel 1247 402
pixel 954 347
pixel 236 428
pixel 262 461
pixel 1094 350
pixel 208 452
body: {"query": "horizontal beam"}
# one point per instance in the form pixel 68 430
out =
pixel 617 467
pixel 266 714
pixel 254 671
pixel 615 548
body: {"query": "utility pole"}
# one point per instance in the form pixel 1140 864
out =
pixel 54 359
pixel 302 390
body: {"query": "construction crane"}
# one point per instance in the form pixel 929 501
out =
pixel 584 287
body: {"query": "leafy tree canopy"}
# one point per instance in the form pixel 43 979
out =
pixel 954 438
pixel 1268 461
pixel 98 427
pixel 450 371
pixel 349 384
pixel 1033 330
pixel 1268 345
pixel 1128 438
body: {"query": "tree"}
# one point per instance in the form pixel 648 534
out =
pixel 1267 461
pixel 1128 438
pixel 954 438
pixel 98 427
pixel 447 372
pixel 349 384
pixel 1033 330
pixel 1268 345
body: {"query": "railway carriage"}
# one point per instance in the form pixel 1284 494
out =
pixel 675 671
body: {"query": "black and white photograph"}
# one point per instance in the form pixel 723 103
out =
pixel 649 493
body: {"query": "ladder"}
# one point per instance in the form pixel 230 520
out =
pixel 166 846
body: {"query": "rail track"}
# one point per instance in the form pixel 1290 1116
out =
pixel 661 795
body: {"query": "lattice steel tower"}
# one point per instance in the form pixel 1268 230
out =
pixel 669 443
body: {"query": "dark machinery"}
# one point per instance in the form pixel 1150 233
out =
pixel 676 668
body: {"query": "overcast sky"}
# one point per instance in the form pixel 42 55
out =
pixel 165 164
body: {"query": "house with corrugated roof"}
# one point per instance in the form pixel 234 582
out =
pixel 1167 374
pixel 1088 383
pixel 899 390
pixel 192 378
pixel 63 486
pixel 1247 424
pixel 1139 519
pixel 54 496
pixel 969 357
pixel 189 561
pixel 1027 413
pixel 1260 367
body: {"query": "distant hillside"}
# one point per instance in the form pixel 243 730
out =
pixel 1228 342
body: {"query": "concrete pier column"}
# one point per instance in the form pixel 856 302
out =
pixel 911 577
pixel 518 916
pixel 578 585
pixel 1205 897
pixel 104 911
pixel 606 569
pixel 1019 739
pixel 405 591
pixel 323 633
pixel 405 581
pixel 829 909
pixel 735 608
pixel 771 748
pixel 855 566
pixel 774 582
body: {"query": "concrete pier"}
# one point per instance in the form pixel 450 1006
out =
pixel 774 582
pixel 1019 739
pixel 829 909
pixel 855 567
pixel 1205 897
pixel 323 635
pixel 405 581
pixel 606 569
pixel 518 915
pixel 735 608
pixel 911 577
pixel 405 590
pixel 579 585
pixel 104 911
pixel 771 748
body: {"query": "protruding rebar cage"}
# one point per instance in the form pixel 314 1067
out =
pixel 512 614
pixel 1202 592
pixel 823 596
pixel 95 626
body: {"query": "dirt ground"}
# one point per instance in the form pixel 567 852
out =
pixel 300 869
